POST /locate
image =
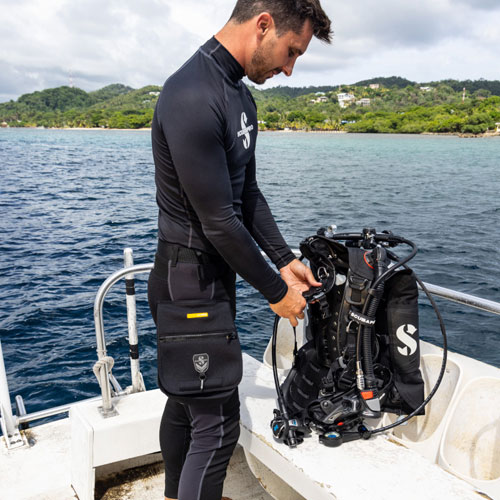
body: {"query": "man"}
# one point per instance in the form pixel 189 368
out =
pixel 212 216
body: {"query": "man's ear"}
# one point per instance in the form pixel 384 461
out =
pixel 264 24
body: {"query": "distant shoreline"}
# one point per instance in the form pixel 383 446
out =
pixel 148 129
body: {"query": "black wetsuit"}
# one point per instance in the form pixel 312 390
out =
pixel 204 132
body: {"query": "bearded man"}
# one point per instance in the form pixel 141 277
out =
pixel 212 219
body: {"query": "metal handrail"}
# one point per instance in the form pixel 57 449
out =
pixel 464 298
pixel 107 404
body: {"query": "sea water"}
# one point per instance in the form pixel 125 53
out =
pixel 72 200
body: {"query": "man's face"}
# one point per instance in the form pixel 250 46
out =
pixel 278 54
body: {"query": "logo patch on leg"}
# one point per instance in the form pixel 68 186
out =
pixel 200 362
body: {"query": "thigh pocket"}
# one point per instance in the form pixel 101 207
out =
pixel 198 347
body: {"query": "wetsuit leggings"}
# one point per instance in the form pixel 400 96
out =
pixel 197 436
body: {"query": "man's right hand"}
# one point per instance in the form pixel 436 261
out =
pixel 291 306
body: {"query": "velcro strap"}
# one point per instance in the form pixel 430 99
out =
pixel 134 351
pixel 361 318
pixel 130 286
pixel 176 253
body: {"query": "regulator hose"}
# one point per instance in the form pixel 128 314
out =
pixel 371 310
pixel 291 437
pixel 367 332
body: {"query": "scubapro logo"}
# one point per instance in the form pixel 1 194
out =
pixel 404 334
pixel 245 130
pixel 200 362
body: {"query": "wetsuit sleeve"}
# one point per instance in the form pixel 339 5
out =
pixel 259 220
pixel 193 127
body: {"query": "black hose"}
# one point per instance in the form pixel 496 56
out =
pixel 371 311
pixel 281 400
pixel 291 438
pixel 367 332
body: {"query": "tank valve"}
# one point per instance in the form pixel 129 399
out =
pixel 330 231
pixel 360 378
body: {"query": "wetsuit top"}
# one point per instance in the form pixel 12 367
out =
pixel 203 133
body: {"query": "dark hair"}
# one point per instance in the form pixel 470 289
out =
pixel 288 15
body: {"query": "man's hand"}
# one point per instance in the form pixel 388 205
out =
pixel 298 276
pixel 291 306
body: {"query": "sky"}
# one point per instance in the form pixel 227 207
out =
pixel 93 43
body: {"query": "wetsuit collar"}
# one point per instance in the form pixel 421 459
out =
pixel 231 67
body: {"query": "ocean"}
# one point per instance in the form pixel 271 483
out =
pixel 72 200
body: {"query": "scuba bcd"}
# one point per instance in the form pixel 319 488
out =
pixel 362 353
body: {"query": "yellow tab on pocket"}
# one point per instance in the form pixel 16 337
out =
pixel 197 315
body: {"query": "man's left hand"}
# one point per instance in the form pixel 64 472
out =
pixel 298 276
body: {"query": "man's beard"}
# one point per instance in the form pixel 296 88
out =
pixel 259 65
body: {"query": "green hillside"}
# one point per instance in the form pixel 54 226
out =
pixel 110 91
pixel 389 82
pixel 384 104
pixel 114 106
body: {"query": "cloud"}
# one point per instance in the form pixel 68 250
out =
pixel 424 41
pixel 139 43
pixel 97 42
pixel 481 4
pixel 395 23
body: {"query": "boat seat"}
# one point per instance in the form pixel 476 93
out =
pixel 470 448
pixel 424 433
pixel 97 441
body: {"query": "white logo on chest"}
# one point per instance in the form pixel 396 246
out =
pixel 403 333
pixel 245 130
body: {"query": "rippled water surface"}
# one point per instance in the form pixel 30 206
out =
pixel 71 201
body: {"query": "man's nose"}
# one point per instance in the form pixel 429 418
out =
pixel 288 67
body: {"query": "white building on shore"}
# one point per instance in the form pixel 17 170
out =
pixel 322 98
pixel 345 99
pixel 365 101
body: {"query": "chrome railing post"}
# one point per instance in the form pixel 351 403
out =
pixel 8 423
pixel 8 426
pixel 133 340
pixel 103 366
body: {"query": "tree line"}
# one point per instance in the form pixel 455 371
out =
pixel 379 105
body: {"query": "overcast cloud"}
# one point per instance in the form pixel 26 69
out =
pixel 98 42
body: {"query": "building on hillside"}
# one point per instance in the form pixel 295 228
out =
pixel 156 94
pixel 319 99
pixel 345 99
pixel 363 102
pixel 426 89
pixel 374 86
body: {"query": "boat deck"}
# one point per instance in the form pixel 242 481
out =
pixel 379 469
pixel 42 472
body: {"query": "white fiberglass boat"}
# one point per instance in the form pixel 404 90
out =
pixel 108 447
